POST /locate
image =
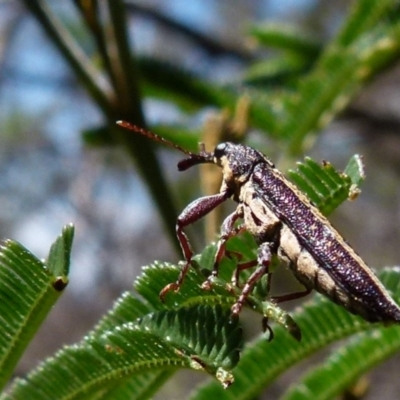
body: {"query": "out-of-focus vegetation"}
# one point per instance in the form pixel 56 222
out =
pixel 322 81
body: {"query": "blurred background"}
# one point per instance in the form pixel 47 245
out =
pixel 50 176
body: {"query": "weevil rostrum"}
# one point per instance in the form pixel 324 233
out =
pixel 284 222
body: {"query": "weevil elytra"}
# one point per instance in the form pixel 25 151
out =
pixel 284 222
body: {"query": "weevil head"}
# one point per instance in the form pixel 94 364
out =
pixel 237 162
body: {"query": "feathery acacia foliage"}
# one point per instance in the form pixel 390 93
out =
pixel 140 343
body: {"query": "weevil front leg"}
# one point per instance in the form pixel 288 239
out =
pixel 192 213
pixel 263 260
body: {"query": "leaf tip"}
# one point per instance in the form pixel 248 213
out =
pixel 60 283
pixel 225 377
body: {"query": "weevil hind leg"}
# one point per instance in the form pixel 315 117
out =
pixel 290 296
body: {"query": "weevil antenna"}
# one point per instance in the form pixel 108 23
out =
pixel 203 157
pixel 152 136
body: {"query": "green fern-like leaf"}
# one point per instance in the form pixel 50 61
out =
pixel 275 71
pixel 322 94
pixel 126 308
pixel 202 332
pixel 336 78
pixel 28 290
pixel 58 259
pixel 140 386
pixel 364 15
pixel 363 352
pixel 285 37
pixel 202 338
pixel 156 276
pixel 80 371
pixel 326 187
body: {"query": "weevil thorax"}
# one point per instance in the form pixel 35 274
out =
pixel 237 162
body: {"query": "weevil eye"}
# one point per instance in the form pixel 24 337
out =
pixel 219 150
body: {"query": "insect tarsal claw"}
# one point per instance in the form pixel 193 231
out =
pixel 266 327
pixel 174 286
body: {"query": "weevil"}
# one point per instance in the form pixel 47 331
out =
pixel 283 222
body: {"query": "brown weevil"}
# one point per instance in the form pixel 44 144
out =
pixel 284 222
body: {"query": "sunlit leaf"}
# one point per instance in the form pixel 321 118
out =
pixel 28 290
pixel 202 338
pixel 58 259
pixel 158 275
pixel 326 187
pixel 362 353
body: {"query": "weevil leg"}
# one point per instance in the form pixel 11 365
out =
pixel 266 327
pixel 263 261
pixel 241 267
pixel 264 322
pixel 246 265
pixel 227 231
pixel 290 296
pixel 196 210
